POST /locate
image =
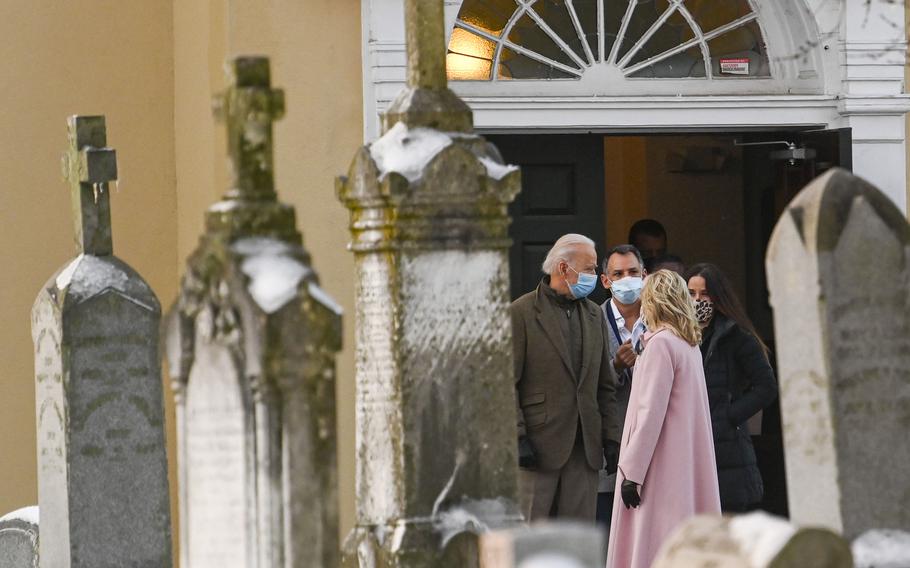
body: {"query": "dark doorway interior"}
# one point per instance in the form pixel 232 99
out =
pixel 718 199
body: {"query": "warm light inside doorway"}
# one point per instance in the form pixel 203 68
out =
pixel 470 57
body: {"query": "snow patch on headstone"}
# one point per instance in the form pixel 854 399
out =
pixel 882 548
pixel 761 536
pixel 475 516
pixel 274 275
pixel 407 151
pixel 496 170
pixel 25 514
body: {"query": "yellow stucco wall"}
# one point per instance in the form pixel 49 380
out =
pixel 62 58
pixel 152 67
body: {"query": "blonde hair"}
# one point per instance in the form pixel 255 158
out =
pixel 564 250
pixel 665 302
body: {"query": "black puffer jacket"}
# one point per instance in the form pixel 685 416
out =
pixel 740 383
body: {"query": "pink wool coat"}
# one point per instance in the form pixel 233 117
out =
pixel 667 447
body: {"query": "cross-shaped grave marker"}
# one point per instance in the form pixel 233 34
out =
pixel 249 107
pixel 427 101
pixel 89 166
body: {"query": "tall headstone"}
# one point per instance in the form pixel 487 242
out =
pixel 19 539
pixel 435 395
pixel 839 274
pixel 102 462
pixel 251 350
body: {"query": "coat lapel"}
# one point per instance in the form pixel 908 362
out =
pixel 545 317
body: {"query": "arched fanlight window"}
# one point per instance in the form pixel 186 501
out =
pixel 561 39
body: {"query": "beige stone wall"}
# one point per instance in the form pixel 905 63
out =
pixel 62 58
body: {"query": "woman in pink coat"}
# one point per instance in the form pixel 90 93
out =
pixel 667 471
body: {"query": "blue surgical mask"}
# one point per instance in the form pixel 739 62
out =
pixel 584 286
pixel 627 290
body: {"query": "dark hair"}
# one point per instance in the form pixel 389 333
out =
pixel 656 261
pixel 725 301
pixel 648 227
pixel 621 249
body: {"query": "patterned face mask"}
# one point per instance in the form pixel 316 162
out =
pixel 704 310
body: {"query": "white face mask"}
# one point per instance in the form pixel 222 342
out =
pixel 627 290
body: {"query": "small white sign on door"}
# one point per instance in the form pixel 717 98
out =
pixel 735 66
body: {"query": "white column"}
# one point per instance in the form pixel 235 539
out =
pixel 873 102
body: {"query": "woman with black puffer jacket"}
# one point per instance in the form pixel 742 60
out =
pixel 740 383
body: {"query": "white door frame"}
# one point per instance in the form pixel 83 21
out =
pixel 850 74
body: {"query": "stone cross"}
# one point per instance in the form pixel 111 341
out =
pixel 435 394
pixel 838 268
pixel 102 461
pixel 89 166
pixel 248 108
pixel 251 346
pixel 19 539
pixel 427 101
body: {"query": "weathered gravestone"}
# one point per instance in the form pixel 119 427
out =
pixel 544 545
pixel 251 347
pixel 102 464
pixel 755 540
pixel 436 427
pixel 839 274
pixel 19 539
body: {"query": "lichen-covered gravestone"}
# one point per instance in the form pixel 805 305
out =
pixel 251 347
pixel 435 398
pixel 754 540
pixel 102 462
pixel 19 539
pixel 839 274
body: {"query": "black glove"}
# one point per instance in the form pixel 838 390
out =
pixel 611 456
pixel 630 496
pixel 527 457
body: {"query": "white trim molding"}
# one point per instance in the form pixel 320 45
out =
pixel 834 64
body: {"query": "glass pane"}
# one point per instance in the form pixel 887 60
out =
pixel 711 14
pixel 470 57
pixel 527 34
pixel 587 15
pixel 674 32
pixel 689 63
pixel 643 17
pixel 740 53
pixel 514 65
pixel 556 14
pixel 488 15
pixel 613 15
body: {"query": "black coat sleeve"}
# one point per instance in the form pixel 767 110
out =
pixel 755 376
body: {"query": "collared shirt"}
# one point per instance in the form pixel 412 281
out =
pixel 624 334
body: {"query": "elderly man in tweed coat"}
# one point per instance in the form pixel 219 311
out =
pixel 565 385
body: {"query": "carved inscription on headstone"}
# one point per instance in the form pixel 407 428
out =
pixel 838 271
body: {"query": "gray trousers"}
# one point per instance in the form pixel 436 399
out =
pixel 566 493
